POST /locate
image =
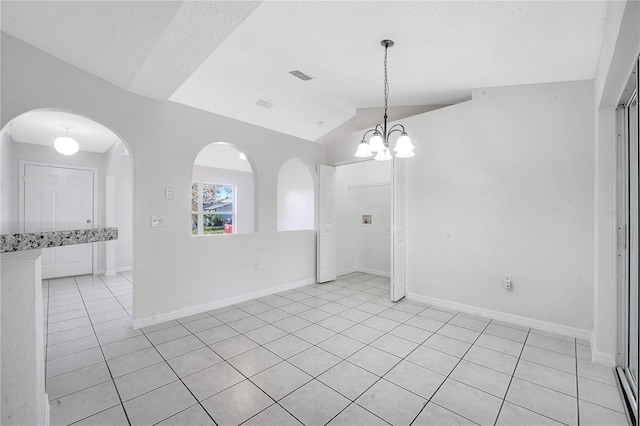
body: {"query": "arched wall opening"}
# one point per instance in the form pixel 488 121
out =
pixel 296 196
pixel 223 191
pixel 103 156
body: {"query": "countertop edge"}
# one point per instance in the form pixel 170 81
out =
pixel 12 242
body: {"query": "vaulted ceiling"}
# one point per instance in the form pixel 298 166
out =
pixel 224 56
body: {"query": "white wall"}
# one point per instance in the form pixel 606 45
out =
pixel 174 273
pixel 296 197
pixel 363 189
pixel 124 215
pixel 504 184
pixel 244 193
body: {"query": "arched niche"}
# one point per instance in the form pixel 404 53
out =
pixel 223 191
pixel 27 141
pixel 296 196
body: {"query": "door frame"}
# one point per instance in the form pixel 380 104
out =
pixel 623 239
pixel 21 167
pixel 391 224
pixel 321 231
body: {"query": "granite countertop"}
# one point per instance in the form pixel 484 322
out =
pixel 29 236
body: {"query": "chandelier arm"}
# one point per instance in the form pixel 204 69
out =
pixel 367 132
pixel 394 128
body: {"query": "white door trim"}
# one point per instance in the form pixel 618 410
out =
pixel 21 166
pixel 398 282
pixel 326 257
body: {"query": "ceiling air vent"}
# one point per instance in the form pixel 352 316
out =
pixel 302 76
pixel 264 103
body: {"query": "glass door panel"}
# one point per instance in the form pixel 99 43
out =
pixel 632 355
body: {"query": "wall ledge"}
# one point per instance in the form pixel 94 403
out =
pixel 503 316
pixel 192 310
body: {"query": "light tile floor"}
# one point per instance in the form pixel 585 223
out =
pixel 338 353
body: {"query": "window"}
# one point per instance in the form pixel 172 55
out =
pixel 221 170
pixel 212 208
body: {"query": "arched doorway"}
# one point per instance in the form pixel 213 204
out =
pixel 92 186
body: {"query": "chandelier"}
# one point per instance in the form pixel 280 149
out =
pixel 379 141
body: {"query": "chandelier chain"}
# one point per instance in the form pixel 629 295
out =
pixel 386 82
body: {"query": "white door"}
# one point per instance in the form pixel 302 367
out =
pixel 326 240
pixel 398 228
pixel 56 195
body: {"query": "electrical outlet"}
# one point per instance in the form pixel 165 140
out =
pixel 507 281
pixel 168 193
pixel 256 266
pixel 157 220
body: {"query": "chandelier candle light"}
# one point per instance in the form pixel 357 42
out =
pixel 379 142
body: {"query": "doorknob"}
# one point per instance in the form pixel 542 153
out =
pixel 88 220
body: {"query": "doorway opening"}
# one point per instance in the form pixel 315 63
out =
pixel 363 218
pixel 93 187
pixel 340 247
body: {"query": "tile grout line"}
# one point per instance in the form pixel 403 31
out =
pixel 335 333
pixel 105 362
pixel 351 402
pixel 261 345
pixel 198 402
pixel 283 359
pixel 577 384
pixel 511 378
pixel 311 323
pixel 449 374
pixel 115 297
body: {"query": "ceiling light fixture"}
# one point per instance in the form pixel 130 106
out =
pixel 379 141
pixel 66 145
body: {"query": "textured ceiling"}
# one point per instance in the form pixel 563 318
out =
pixel 146 47
pixel 223 56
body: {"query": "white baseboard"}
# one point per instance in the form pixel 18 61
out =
pixel 363 270
pixel 565 330
pixel 113 271
pixel 373 272
pixel 603 358
pixel 191 310
pixel 346 271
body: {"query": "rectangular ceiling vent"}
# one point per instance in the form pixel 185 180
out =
pixel 264 103
pixel 302 76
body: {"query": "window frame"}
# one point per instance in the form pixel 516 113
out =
pixel 199 229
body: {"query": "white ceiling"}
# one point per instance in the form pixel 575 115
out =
pixel 223 56
pixel 43 127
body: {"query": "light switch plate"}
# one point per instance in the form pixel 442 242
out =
pixel 157 220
